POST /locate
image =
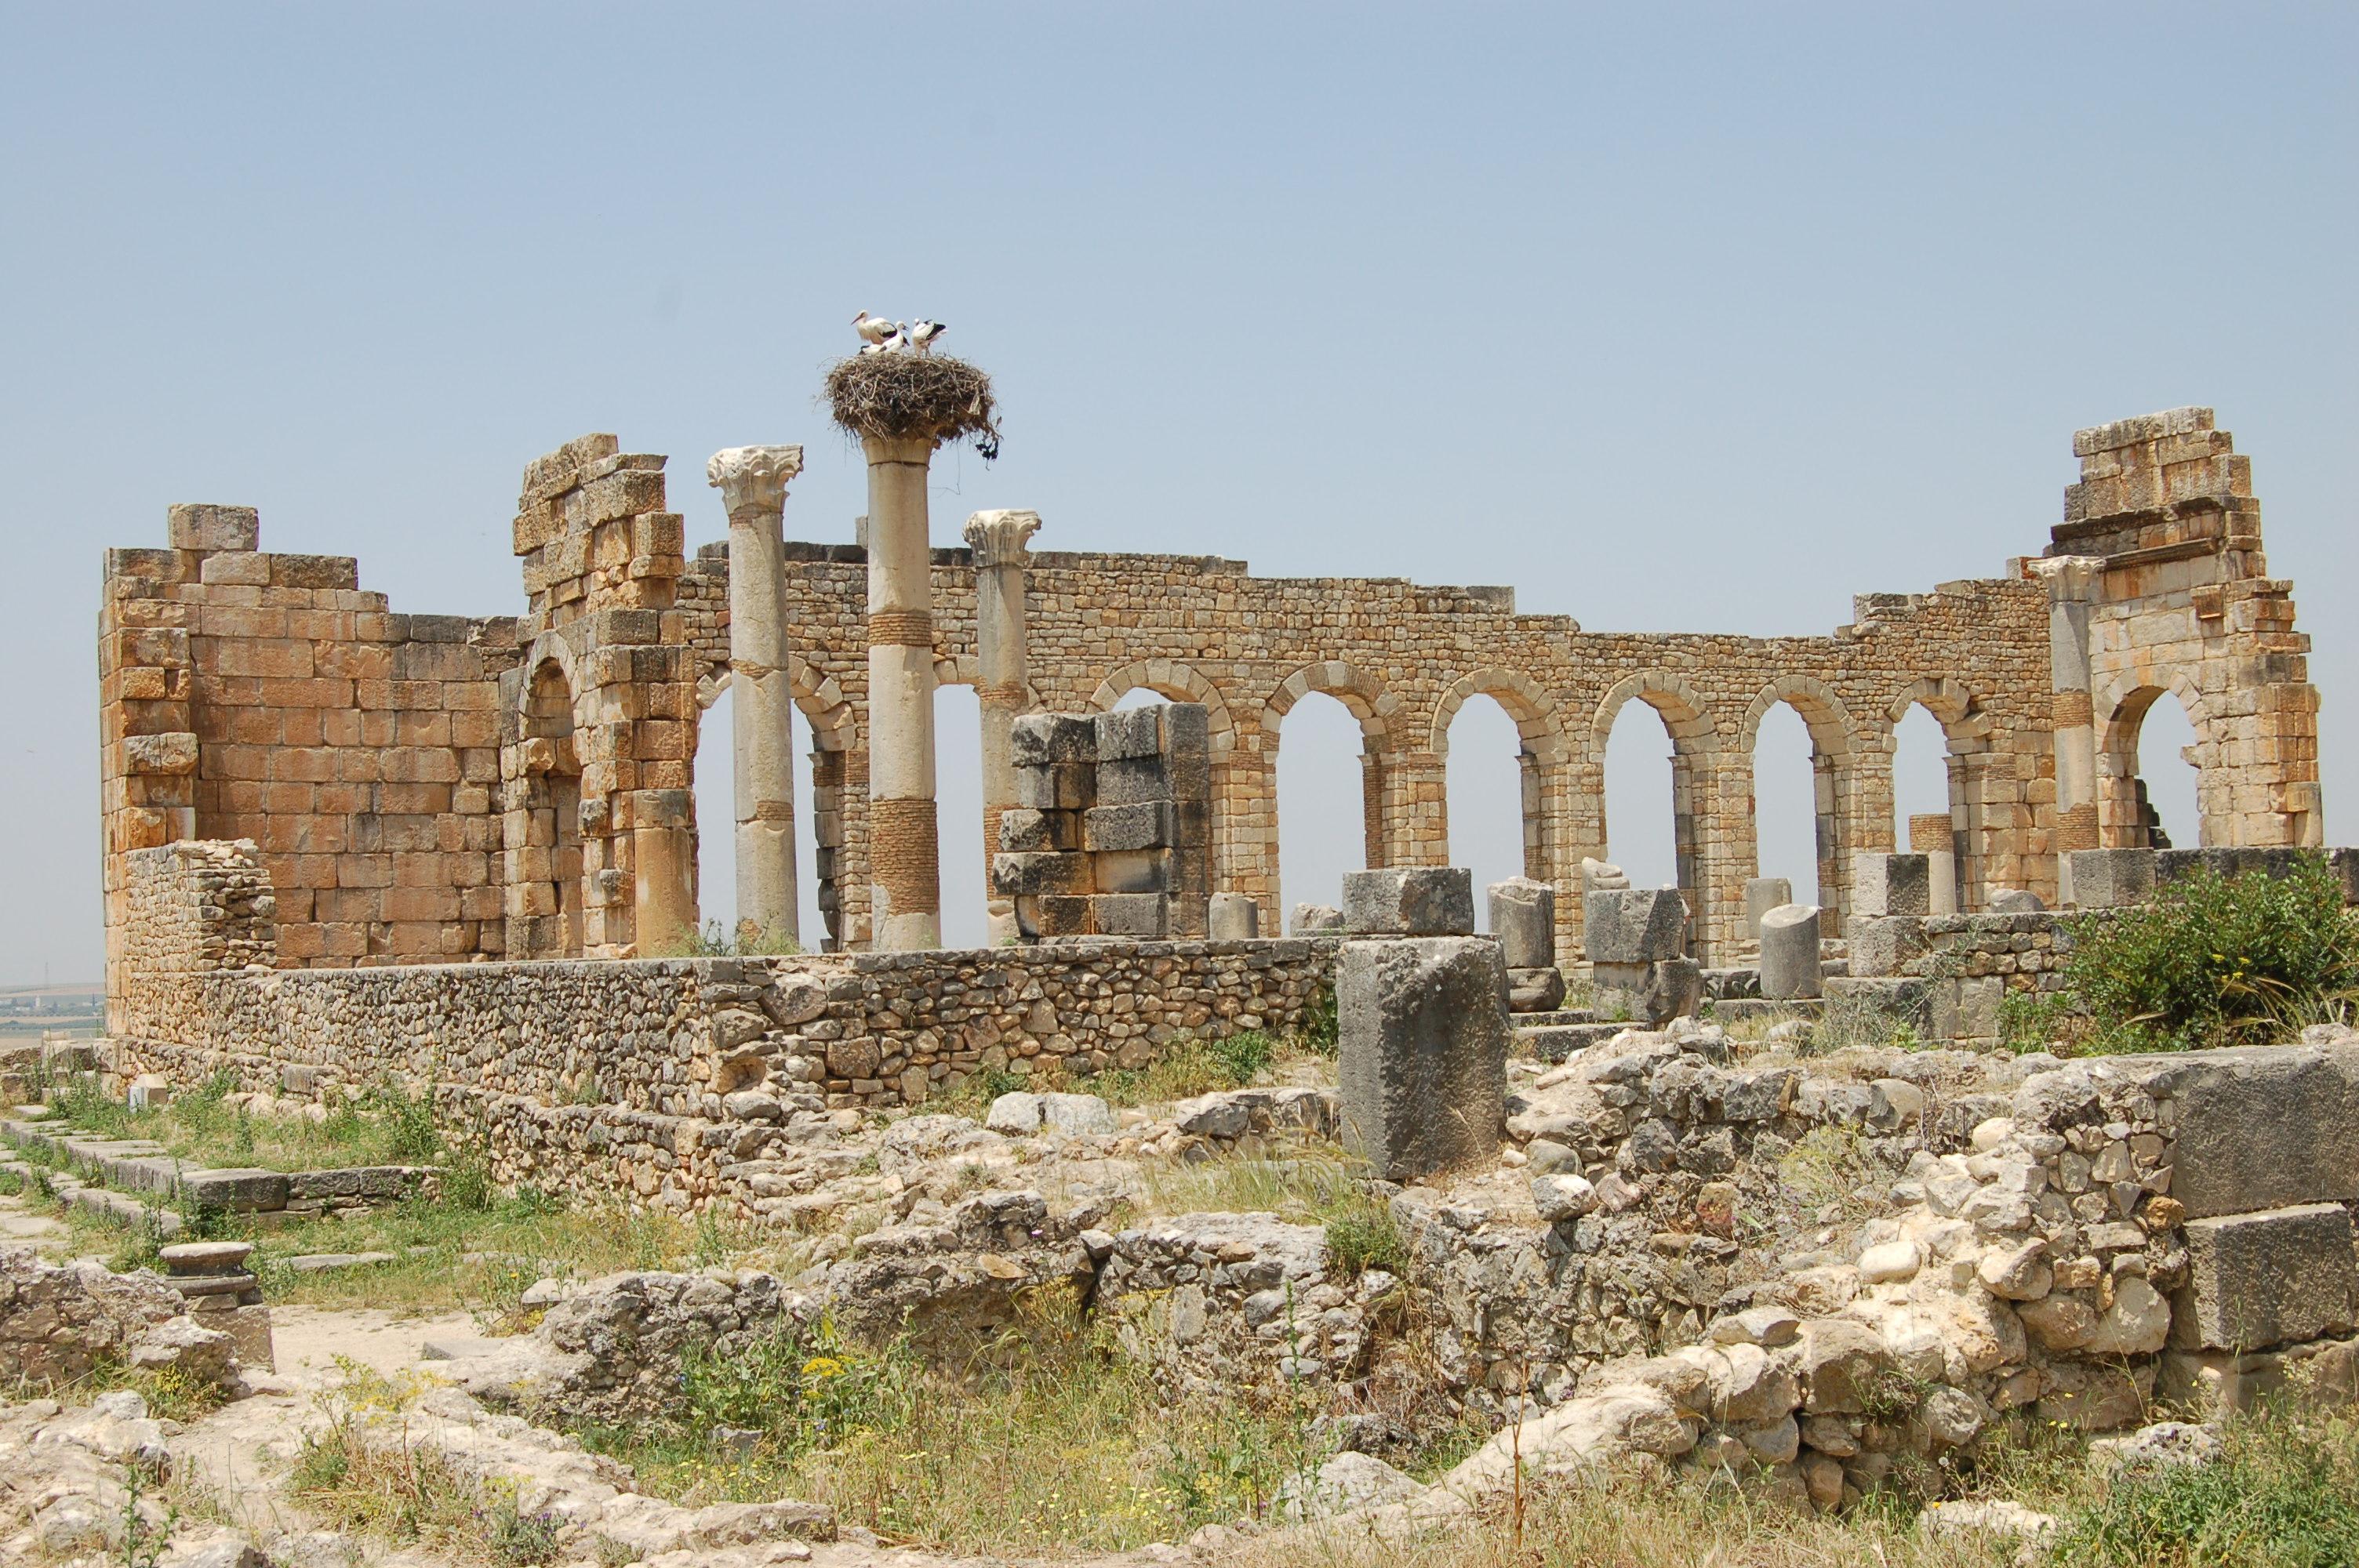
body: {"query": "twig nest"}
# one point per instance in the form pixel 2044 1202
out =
pixel 902 396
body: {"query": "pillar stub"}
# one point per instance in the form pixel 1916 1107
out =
pixel 754 478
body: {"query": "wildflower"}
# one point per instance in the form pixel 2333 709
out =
pixel 822 1367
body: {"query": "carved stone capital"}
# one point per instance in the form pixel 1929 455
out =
pixel 753 478
pixel 998 538
pixel 2068 577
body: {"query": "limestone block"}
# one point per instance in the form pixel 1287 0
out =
pixel 1157 730
pixel 1523 917
pixel 1789 951
pixel 2261 1280
pixel 1134 870
pixel 1535 990
pixel 1597 876
pixel 1411 900
pixel 1023 830
pixel 1317 920
pixel 1235 917
pixel 1421 1069
pixel 1652 994
pixel 1023 876
pixel 1150 824
pixel 202 527
pixel 1885 944
pixel 239 1192
pixel 1892 884
pixel 1966 1009
pixel 2264 1128
pixel 1132 914
pixel 2013 901
pixel 2109 879
pixel 1056 786
pixel 1763 894
pixel 1633 925
pixel 1036 738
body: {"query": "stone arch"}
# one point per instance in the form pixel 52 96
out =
pixel 1696 841
pixel 819 698
pixel 1966 728
pixel 541 830
pixel 1253 774
pixel 1834 769
pixel 1544 751
pixel 2124 704
pixel 1179 682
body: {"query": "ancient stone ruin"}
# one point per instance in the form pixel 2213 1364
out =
pixel 347 846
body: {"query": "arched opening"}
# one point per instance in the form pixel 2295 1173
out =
pixel 1642 797
pixel 716 820
pixel 1322 801
pixel 552 861
pixel 2157 798
pixel 957 816
pixel 1485 780
pixel 1140 697
pixel 1921 774
pixel 1793 802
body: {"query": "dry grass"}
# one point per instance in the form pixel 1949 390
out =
pixel 903 396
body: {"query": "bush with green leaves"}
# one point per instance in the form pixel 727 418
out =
pixel 2284 1494
pixel 2212 960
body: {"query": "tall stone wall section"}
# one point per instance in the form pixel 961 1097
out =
pixel 2185 605
pixel 426 789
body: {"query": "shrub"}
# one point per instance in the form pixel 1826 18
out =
pixel 2214 960
pixel 1364 1236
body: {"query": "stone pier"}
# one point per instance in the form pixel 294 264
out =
pixel 2071 579
pixel 752 485
pixel 999 540
pixel 904 850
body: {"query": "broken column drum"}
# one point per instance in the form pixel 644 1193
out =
pixel 1790 953
pixel 1422 1050
pixel 999 540
pixel 904 846
pixel 752 485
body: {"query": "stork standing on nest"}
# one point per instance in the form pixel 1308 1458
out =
pixel 922 335
pixel 876 336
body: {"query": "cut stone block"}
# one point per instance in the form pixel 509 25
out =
pixel 1317 920
pixel 239 1192
pixel 1235 917
pixel 1892 884
pixel 1598 876
pixel 2262 1126
pixel 1411 900
pixel 1132 914
pixel 1056 786
pixel 1790 952
pixel 1029 876
pixel 1152 824
pixel 1162 728
pixel 1763 894
pixel 205 527
pixel 1421 1067
pixel 1633 925
pixel 1652 994
pixel 1036 738
pixel 1965 1009
pixel 2260 1279
pixel 2110 879
pixel 1883 945
pixel 1523 917
pixel 2013 901
pixel 1024 831
pixel 1136 871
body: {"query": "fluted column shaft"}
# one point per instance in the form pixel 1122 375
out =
pixel 753 484
pixel 904 849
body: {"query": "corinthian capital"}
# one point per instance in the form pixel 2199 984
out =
pixel 753 478
pixel 2068 577
pixel 998 538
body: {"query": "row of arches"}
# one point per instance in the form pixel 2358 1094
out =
pixel 1501 748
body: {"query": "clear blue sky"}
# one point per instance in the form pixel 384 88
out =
pixel 1673 317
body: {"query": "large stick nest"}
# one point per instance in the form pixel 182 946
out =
pixel 905 397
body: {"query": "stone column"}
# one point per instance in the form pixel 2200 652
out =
pixel 2071 579
pixel 904 851
pixel 999 541
pixel 752 485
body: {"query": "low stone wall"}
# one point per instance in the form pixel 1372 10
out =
pixel 655 1074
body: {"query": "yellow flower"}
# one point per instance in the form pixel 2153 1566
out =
pixel 822 1367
